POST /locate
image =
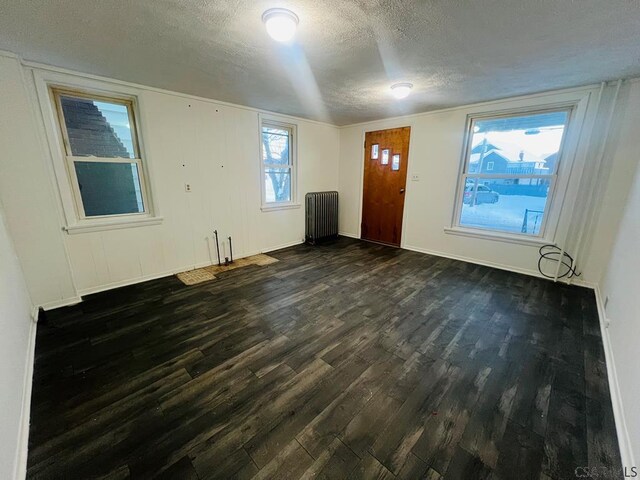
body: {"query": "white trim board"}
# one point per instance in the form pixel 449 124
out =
pixel 63 302
pixel 20 467
pixel 168 273
pixel 624 441
pixel 531 273
pixel 43 66
pixel 145 278
pixel 52 68
pixel 350 235
pixel 499 266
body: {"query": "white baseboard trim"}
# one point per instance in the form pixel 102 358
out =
pixel 167 273
pixel 532 273
pixel 65 302
pixel 20 468
pixel 499 266
pixel 508 268
pixel 143 278
pixel 280 247
pixel 624 441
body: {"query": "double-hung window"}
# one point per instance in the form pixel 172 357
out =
pixel 102 154
pixel 278 164
pixel 510 171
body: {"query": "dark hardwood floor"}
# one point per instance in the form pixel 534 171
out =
pixel 349 360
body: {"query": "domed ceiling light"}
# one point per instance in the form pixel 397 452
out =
pixel 281 23
pixel 401 90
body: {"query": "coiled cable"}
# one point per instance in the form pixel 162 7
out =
pixel 554 254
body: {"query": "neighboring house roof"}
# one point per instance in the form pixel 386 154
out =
pixel 507 151
pixel 551 160
pixel 475 157
pixel 89 131
pixel 478 147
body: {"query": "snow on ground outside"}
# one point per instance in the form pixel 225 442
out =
pixel 506 215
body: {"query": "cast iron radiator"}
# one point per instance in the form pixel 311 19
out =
pixel 322 216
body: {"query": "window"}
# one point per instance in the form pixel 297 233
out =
pixel 278 164
pixel 385 157
pixel 510 170
pixel 395 162
pixel 102 154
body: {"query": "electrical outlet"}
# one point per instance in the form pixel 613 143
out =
pixel 415 178
pixel 187 187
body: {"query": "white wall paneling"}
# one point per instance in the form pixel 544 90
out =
pixel 211 146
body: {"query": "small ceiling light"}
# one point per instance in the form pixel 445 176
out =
pixel 401 90
pixel 281 23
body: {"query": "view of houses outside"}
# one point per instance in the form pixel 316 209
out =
pixel 100 131
pixel 117 116
pixel 509 171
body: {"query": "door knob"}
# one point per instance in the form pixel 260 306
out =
pixel 402 190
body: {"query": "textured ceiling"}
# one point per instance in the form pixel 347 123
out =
pixel 346 53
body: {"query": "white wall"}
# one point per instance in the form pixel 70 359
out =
pixel 218 146
pixel 435 155
pixel 621 285
pixel 16 335
pixel 212 146
pixel 27 193
pixel 621 162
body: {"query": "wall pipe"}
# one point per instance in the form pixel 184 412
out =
pixel 571 223
pixel 600 161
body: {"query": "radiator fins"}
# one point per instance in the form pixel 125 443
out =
pixel 321 216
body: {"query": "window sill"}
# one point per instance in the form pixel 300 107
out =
pixel 500 237
pixel 283 206
pixel 112 225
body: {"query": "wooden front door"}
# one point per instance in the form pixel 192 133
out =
pixel 386 155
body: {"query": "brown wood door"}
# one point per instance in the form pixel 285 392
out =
pixel 386 156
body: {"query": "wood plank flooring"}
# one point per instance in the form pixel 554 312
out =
pixel 348 360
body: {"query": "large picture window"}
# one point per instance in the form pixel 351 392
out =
pixel 278 163
pixel 102 154
pixel 510 171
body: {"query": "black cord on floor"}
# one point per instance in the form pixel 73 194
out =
pixel 553 254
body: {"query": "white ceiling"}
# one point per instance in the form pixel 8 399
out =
pixel 346 54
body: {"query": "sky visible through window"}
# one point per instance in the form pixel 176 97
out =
pixel 541 144
pixel 277 164
pixel 118 118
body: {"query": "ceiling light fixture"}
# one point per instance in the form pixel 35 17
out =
pixel 401 90
pixel 281 23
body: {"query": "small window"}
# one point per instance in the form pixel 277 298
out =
pixel 385 157
pixel 278 163
pixel 395 162
pixel 510 171
pixel 103 157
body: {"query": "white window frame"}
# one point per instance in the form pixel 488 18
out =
pixel 45 81
pixel 56 94
pixel 266 121
pixel 490 166
pixel 551 213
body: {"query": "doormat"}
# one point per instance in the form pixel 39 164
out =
pixel 205 274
